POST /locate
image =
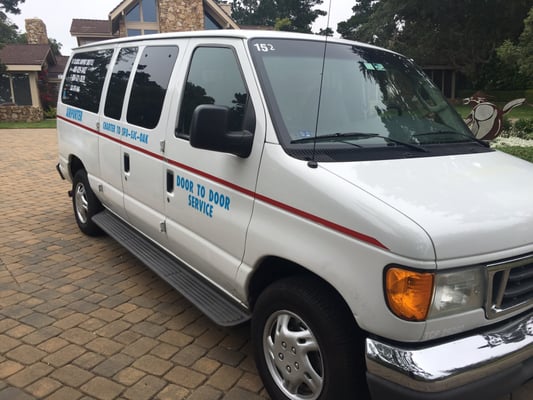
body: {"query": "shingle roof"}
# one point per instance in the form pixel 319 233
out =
pixel 55 70
pixel 91 27
pixel 24 54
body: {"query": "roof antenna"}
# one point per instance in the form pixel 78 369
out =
pixel 313 163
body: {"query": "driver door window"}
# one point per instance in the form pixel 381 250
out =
pixel 214 77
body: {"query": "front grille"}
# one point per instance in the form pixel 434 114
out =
pixel 510 286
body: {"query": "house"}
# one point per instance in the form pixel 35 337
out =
pixel 31 77
pixel 139 17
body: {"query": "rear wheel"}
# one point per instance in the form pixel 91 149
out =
pixel 85 204
pixel 306 345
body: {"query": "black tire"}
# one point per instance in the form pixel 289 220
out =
pixel 85 204
pixel 306 344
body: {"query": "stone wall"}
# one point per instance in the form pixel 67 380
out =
pixel 21 113
pixel 36 31
pixel 181 15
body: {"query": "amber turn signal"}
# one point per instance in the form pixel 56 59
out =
pixel 409 293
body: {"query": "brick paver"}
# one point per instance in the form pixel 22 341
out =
pixel 80 318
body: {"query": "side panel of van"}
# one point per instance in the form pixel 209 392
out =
pixel 210 203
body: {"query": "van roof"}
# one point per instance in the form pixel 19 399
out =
pixel 223 33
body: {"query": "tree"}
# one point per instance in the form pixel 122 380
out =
pixel 11 6
pixel 287 15
pixel 460 33
pixel 361 13
pixel 525 47
pixel 8 30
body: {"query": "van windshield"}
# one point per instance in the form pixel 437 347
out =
pixel 369 103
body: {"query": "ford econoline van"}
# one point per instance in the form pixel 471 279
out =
pixel 321 188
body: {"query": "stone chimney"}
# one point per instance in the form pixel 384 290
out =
pixel 181 15
pixel 36 31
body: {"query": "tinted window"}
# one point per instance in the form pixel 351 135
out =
pixel 21 88
pixel 119 82
pixel 150 85
pixel 214 78
pixel 85 79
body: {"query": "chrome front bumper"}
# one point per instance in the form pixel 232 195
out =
pixel 453 367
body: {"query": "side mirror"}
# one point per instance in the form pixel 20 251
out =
pixel 209 131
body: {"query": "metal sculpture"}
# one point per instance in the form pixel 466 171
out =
pixel 486 119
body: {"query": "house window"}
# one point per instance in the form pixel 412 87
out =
pixel 15 88
pixel 21 89
pixel 5 90
pixel 210 23
pixel 142 19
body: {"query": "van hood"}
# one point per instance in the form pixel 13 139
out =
pixel 468 205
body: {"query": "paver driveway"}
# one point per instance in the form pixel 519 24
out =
pixel 80 318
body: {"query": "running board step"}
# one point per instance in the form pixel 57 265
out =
pixel 212 301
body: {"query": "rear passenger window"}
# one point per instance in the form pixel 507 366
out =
pixel 119 82
pixel 84 79
pixel 214 78
pixel 150 85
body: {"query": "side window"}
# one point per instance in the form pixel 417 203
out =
pixel 150 85
pixel 84 79
pixel 214 78
pixel 119 82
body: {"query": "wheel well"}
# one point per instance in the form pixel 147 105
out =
pixel 75 165
pixel 273 269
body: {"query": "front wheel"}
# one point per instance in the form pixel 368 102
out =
pixel 85 204
pixel 306 345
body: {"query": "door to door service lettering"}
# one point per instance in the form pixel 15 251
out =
pixel 210 194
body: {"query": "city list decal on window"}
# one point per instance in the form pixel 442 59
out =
pixel 85 79
pixel 78 71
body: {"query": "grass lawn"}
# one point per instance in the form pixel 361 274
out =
pixel 47 123
pixel 525 153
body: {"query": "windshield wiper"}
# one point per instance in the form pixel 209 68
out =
pixel 471 138
pixel 356 135
pixel 334 137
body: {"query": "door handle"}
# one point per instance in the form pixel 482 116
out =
pixel 126 163
pixel 170 181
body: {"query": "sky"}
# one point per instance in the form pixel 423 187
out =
pixel 58 15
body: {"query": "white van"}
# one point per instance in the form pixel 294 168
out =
pixel 323 189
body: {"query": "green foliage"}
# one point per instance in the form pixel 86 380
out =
pixel 326 32
pixel 459 33
pixel 525 46
pixel 8 30
pixel 362 12
pixel 288 15
pixel 50 112
pixel 524 128
pixel 11 6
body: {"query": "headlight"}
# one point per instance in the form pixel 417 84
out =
pixel 418 295
pixel 457 292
